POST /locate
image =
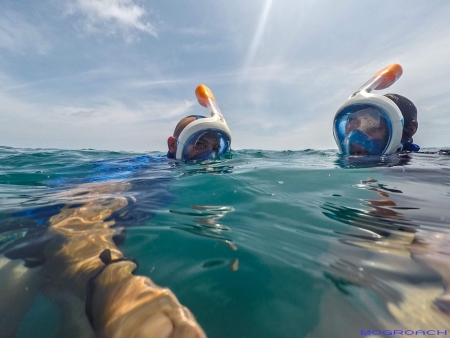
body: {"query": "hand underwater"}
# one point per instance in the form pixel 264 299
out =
pixel 120 304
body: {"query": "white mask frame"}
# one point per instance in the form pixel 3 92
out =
pixel 214 123
pixel 381 80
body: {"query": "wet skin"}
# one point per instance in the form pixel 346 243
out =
pixel 117 303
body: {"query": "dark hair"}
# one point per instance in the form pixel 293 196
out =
pixel 408 110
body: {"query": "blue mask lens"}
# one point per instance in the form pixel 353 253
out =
pixel 358 141
pixel 362 129
pixel 206 145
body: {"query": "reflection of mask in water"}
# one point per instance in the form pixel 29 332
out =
pixel 206 137
pixel 370 124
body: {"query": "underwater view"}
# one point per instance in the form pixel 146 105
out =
pixel 261 244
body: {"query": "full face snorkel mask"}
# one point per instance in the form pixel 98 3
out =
pixel 207 137
pixel 370 124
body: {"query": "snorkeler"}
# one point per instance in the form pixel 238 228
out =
pixel 85 274
pixel 75 261
pixel 372 124
pixel 198 138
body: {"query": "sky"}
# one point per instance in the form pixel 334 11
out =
pixel 119 74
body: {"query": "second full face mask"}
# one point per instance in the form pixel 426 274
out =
pixel 207 137
pixel 370 124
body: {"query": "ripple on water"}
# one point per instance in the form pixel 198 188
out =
pixel 273 242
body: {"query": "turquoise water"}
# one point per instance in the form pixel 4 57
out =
pixel 265 244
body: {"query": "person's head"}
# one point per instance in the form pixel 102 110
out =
pixel 372 124
pixel 368 121
pixel 172 140
pixel 363 129
pixel 367 131
pixel 369 128
pixel 200 144
pixel 409 112
pixel 198 138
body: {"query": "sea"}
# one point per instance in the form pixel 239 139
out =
pixel 260 244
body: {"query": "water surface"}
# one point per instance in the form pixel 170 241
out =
pixel 265 244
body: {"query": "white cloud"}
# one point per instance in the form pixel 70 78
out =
pixel 117 113
pixel 112 15
pixel 156 82
pixel 18 35
pixel 106 125
pixel 283 69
